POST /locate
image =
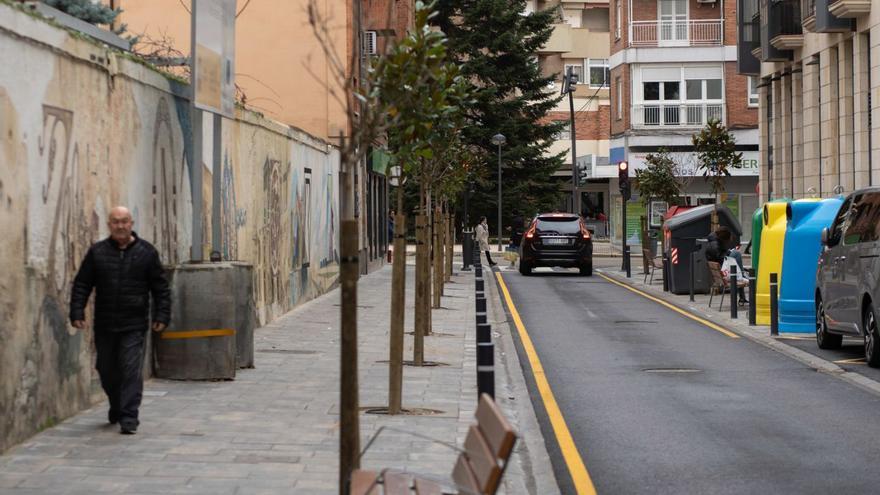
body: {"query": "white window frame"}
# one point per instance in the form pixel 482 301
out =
pixel 599 62
pixel 370 44
pixel 564 134
pixel 617 20
pixel 752 90
pixel 580 71
pixel 619 84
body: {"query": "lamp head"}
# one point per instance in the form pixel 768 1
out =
pixel 498 139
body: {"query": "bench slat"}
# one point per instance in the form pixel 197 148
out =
pixel 495 428
pixel 397 483
pixel 482 460
pixel 426 487
pixel 364 483
pixel 463 475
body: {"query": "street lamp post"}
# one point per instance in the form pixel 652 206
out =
pixel 570 79
pixel 499 140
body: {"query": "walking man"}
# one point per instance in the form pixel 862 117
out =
pixel 482 232
pixel 125 271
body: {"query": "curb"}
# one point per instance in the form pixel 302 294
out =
pixel 763 338
pixel 541 477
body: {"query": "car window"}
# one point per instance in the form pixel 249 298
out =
pixel 866 224
pixel 840 221
pixel 857 222
pixel 565 225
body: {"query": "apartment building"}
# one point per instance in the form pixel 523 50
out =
pixel 285 74
pixel 817 64
pixel 580 42
pixel 673 67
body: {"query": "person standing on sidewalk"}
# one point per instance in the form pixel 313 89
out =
pixel 125 271
pixel 482 233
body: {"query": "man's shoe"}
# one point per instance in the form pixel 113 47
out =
pixel 127 429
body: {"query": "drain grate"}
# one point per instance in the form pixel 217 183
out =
pixel 671 370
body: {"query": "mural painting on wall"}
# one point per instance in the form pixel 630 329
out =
pixel 270 236
pixel 72 232
pixel 167 182
pixel 232 218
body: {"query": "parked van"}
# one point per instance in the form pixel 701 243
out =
pixel 847 288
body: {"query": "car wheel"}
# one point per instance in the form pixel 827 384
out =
pixel 587 269
pixel 824 339
pixel 524 268
pixel 872 339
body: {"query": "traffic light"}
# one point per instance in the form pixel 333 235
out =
pixel 623 180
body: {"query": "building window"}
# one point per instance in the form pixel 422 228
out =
pixel 703 89
pixel 753 91
pixel 617 21
pixel 618 85
pixel 600 73
pixel 577 69
pixel 564 133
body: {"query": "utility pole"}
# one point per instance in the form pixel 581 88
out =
pixel 575 197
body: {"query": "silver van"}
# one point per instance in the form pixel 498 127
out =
pixel 847 288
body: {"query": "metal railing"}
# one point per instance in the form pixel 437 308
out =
pixel 676 33
pixel 677 115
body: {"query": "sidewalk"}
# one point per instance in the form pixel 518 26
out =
pixel 274 429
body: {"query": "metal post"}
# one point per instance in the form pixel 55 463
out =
pixel 480 311
pixel 665 273
pixel 626 259
pixel 752 311
pixel 693 267
pixel 485 362
pixel 774 304
pixel 196 157
pixel 623 230
pixel 215 183
pixel 499 198
pixel 733 291
pixel 575 197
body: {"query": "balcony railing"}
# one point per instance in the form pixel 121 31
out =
pixel 675 115
pixel 676 33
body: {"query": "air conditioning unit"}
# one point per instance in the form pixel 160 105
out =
pixel 369 46
pixel 706 1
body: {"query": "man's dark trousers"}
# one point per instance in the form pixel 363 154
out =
pixel 120 365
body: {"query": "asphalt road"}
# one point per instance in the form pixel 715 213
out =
pixel 658 403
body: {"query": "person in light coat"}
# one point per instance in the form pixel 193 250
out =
pixel 482 232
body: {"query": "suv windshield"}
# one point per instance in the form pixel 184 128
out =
pixel 561 225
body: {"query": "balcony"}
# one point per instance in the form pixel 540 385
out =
pixel 844 9
pixel 808 13
pixel 676 33
pixel 786 18
pixel 755 45
pixel 828 20
pixel 675 115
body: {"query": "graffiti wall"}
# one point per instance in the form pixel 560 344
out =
pixel 82 130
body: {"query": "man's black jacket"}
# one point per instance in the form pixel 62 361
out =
pixel 123 280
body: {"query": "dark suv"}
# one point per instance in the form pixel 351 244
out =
pixel 848 276
pixel 557 239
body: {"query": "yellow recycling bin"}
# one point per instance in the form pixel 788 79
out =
pixel 772 243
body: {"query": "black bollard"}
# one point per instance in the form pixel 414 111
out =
pixel 486 369
pixel 734 290
pixel 484 332
pixel 626 259
pixel 481 286
pixel 693 266
pixel 752 313
pixel 774 304
pixel 665 272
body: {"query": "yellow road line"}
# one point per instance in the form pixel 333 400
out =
pixel 582 482
pixel 194 334
pixel 674 308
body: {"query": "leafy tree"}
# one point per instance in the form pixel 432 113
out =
pixel 659 180
pixel 716 154
pixel 495 42
pixel 85 10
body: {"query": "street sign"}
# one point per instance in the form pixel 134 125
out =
pixel 213 61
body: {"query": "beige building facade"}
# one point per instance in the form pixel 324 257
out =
pixel 818 78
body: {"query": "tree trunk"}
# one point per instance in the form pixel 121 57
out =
pixel 398 310
pixel 420 318
pixel 450 244
pixel 349 409
pixel 427 265
pixel 437 250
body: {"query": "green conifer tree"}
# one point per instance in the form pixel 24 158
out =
pixel 496 43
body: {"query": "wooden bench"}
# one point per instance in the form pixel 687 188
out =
pixel 478 470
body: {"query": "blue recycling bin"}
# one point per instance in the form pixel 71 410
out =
pixel 797 285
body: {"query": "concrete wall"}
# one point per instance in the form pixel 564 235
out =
pixel 82 129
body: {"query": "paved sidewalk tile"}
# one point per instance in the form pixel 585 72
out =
pixel 274 429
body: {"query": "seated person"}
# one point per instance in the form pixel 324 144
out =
pixel 723 245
